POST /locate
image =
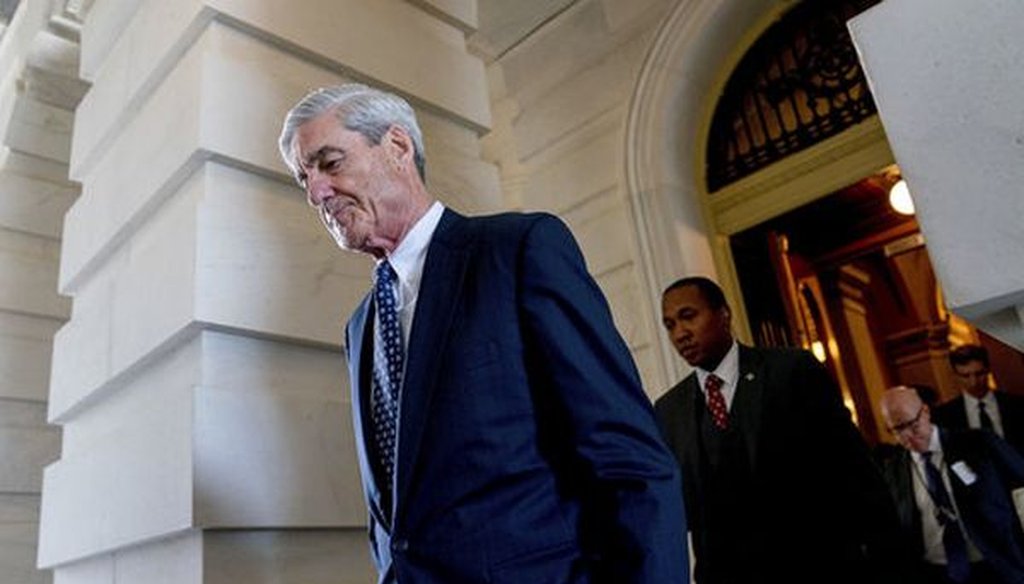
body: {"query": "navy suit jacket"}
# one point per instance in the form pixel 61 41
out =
pixel 820 509
pixel 527 452
pixel 986 507
pixel 953 415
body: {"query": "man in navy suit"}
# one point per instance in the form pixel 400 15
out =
pixel 978 406
pixel 502 431
pixel 779 485
pixel 953 494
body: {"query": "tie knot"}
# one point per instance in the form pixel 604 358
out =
pixel 384 273
pixel 713 382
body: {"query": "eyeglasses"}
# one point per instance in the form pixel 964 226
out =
pixel 909 424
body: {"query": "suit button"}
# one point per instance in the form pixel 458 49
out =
pixel 400 545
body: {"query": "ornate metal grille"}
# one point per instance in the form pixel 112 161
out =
pixel 798 84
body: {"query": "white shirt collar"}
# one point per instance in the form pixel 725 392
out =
pixel 728 371
pixel 407 259
pixel 989 399
pixel 934 447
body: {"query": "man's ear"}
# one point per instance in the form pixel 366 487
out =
pixel 399 144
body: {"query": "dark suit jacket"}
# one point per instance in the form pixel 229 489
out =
pixel 953 415
pixel 527 450
pixel 821 511
pixel 985 506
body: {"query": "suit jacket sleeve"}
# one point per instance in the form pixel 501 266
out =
pixel 1007 459
pixel 841 453
pixel 581 366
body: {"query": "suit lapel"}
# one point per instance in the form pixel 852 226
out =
pixel 690 415
pixel 748 402
pixel 357 341
pixel 902 474
pixel 1008 417
pixel 439 294
pixel 961 408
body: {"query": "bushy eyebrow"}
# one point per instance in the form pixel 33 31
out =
pixel 319 155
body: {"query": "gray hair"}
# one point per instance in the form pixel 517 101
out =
pixel 360 108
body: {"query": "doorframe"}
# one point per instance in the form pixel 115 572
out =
pixel 681 230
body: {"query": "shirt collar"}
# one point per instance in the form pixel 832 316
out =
pixel 989 398
pixel 934 447
pixel 728 369
pixel 412 250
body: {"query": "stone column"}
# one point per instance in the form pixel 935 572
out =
pixel 39 89
pixel 200 382
pixel 947 79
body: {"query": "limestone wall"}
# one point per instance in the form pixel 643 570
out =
pixel 561 94
pixel 199 382
pixel 38 93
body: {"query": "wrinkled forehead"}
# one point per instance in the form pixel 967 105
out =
pixel 319 137
pixel 902 405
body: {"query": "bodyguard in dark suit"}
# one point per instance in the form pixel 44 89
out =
pixel 502 432
pixel 978 406
pixel 953 495
pixel 779 485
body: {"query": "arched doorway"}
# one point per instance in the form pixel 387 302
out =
pixel 681 229
pixel 690 220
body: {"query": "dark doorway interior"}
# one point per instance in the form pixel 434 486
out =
pixel 850 278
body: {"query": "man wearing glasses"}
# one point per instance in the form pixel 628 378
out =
pixel 953 492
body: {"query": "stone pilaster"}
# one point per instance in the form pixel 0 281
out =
pixel 947 79
pixel 39 89
pixel 200 382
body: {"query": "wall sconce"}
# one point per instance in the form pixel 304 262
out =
pixel 899 198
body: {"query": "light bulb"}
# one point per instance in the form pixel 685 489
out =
pixel 899 198
pixel 819 351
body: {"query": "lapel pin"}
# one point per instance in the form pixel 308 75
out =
pixel 749 377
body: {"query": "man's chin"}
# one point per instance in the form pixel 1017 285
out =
pixel 692 359
pixel 345 241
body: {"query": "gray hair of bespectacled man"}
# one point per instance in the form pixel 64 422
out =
pixel 361 108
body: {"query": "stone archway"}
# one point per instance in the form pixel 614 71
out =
pixel 668 116
pixel 679 230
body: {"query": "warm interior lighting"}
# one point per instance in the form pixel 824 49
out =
pixel 819 351
pixel 899 198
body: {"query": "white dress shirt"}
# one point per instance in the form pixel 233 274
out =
pixel 728 371
pixel 407 260
pixel 991 408
pixel 934 552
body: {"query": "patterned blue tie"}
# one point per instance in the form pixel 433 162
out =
pixel 387 372
pixel 958 566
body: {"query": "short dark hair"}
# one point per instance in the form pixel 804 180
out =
pixel 964 354
pixel 709 290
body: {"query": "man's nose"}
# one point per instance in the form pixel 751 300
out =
pixel 317 189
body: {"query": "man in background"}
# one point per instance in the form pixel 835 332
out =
pixel 952 491
pixel 779 485
pixel 978 406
